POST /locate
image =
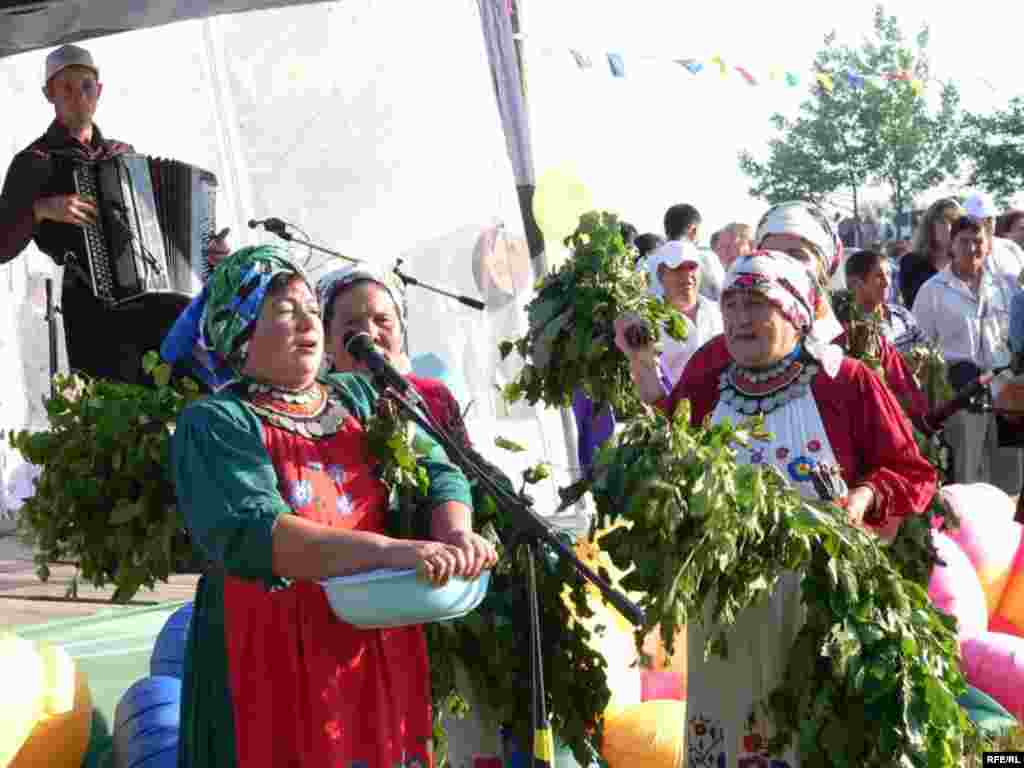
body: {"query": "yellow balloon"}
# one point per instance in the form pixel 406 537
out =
pixel 45 706
pixel 650 734
pixel 559 199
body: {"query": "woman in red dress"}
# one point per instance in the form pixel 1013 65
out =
pixel 821 409
pixel 279 491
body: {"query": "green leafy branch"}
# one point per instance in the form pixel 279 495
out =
pixel 873 677
pixel 105 499
pixel 570 341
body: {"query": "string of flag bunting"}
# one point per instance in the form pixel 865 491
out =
pixel 776 75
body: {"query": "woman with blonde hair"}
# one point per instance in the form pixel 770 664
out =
pixel 929 249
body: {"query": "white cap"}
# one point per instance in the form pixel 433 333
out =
pixel 68 56
pixel 980 206
pixel 672 254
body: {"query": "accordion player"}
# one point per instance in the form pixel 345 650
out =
pixel 155 219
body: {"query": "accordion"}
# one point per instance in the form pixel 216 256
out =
pixel 154 222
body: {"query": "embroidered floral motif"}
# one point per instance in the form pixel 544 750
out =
pixel 800 468
pixel 336 472
pixel 301 493
pixel 814 446
pixel 782 453
pixel 705 743
pixel 344 505
pixel 757 456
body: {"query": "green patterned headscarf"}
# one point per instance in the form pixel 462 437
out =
pixel 217 325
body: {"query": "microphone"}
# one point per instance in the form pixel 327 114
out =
pixel 271 225
pixel 362 348
pixel 934 419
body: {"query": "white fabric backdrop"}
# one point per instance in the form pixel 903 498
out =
pixel 373 126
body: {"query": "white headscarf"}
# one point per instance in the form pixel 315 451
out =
pixel 787 283
pixel 808 222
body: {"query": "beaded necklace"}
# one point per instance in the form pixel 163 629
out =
pixel 752 391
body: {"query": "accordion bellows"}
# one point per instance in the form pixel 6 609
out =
pixel 154 224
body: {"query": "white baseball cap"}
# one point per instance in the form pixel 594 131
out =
pixel 68 56
pixel 980 206
pixel 672 254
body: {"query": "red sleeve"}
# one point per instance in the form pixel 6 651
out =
pixel 699 382
pixel 442 405
pixel 873 441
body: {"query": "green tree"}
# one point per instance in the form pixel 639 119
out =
pixel 867 122
pixel 995 143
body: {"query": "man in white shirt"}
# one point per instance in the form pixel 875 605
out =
pixel 674 272
pixel 682 223
pixel 963 309
pixel 1003 257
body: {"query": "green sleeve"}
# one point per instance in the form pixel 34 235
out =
pixel 447 483
pixel 227 487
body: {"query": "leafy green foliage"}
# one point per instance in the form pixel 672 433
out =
pixel 105 498
pixel 571 339
pixel 490 644
pixel 873 676
pixel 995 143
pixel 863 133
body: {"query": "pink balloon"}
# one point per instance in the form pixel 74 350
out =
pixel 991 544
pixel 955 590
pixel 994 663
pixel 660 684
pixel 979 499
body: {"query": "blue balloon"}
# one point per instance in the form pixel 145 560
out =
pixel 169 650
pixel 146 724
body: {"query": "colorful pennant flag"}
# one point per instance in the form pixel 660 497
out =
pixel 917 86
pixel 747 76
pixel 692 65
pixel 855 81
pixel 582 60
pixel 825 81
pixel 792 79
pixel 716 59
pixel 616 65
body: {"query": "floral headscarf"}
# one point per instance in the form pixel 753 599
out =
pixel 786 283
pixel 331 284
pixel 216 326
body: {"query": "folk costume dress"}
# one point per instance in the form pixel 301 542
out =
pixel 820 409
pixel 272 677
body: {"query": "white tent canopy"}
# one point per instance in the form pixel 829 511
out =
pixel 372 126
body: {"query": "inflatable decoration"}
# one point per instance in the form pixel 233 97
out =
pixel 559 200
pixel 982 585
pixel 169 649
pixel 45 706
pixel 146 724
pixel 650 734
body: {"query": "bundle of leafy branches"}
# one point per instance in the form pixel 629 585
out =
pixel 873 677
pixel 570 341
pixel 105 499
pixel 491 644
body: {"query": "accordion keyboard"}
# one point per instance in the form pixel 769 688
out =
pixel 97 261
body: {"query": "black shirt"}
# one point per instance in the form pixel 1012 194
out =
pixel 915 271
pixel 99 340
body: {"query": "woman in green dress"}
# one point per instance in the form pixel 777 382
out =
pixel 278 490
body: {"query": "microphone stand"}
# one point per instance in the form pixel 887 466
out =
pixel 532 532
pixel 313 246
pixel 409 280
